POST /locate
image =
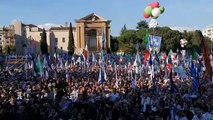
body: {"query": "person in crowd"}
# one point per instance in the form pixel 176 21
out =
pixel 83 98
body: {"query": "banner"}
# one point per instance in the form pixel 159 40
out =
pixel 155 43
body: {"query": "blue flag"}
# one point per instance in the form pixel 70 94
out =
pixel 155 43
pixel 134 82
pixel 194 78
pixel 101 76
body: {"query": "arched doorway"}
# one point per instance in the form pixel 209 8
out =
pixel 91 39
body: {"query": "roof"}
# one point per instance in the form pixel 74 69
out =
pixel 60 28
pixel 93 17
pixel 30 25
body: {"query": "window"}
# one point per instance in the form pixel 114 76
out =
pixel 56 40
pixel 7 41
pixel 63 40
pixel 0 38
pixel 61 48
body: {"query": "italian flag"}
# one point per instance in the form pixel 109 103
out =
pixel 86 52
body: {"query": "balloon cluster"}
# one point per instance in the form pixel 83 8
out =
pixel 153 10
pixel 183 42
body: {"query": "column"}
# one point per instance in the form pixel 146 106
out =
pixel 82 35
pixel 108 35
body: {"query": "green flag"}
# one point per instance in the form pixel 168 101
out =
pixel 169 55
pixel 146 37
pixel 170 52
pixel 194 55
pixel 39 65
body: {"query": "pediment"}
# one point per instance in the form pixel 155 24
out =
pixel 93 17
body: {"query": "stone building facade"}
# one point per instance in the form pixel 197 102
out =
pixel 7 37
pixel 88 30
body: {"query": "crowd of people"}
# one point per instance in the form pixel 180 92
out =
pixel 26 96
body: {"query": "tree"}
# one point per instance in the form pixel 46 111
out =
pixel 142 24
pixel 141 36
pixel 128 37
pixel 71 46
pixel 123 29
pixel 114 44
pixel 43 43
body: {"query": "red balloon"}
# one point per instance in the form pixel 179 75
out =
pixel 145 15
pixel 154 5
pixel 151 5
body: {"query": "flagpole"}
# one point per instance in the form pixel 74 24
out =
pixel 26 72
pixel 26 66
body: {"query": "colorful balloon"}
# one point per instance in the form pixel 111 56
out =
pixel 154 17
pixel 155 4
pixel 156 12
pixel 145 15
pixel 153 10
pixel 151 5
pixel 162 9
pixel 148 10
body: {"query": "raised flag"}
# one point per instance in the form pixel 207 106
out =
pixel 103 38
pixel 147 38
pixel 194 79
pixel 134 81
pixel 195 55
pixel 154 43
pixel 116 76
pixel 86 51
pixel 93 58
pixel 169 64
pixel 137 58
pixel 67 74
pixel 39 65
pixel 46 74
pixel 48 61
pixel 121 58
pixel 147 55
pixel 169 59
pixel 101 76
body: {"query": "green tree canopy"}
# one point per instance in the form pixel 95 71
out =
pixel 142 24
pixel 170 38
pixel 128 37
pixel 123 29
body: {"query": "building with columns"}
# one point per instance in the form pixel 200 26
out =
pixel 88 30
